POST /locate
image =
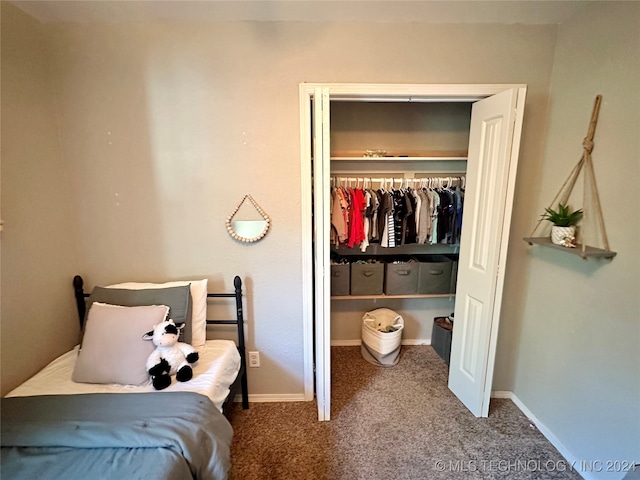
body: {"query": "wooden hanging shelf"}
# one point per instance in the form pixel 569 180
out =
pixel 578 250
pixel 562 197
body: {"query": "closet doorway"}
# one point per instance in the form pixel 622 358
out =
pixel 494 138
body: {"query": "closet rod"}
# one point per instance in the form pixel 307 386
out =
pixel 397 179
pixel 394 171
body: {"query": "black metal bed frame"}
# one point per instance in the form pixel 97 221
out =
pixel 240 383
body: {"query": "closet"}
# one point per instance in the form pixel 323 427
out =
pixel 413 136
pixel 419 147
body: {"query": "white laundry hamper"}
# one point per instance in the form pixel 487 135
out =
pixel 378 347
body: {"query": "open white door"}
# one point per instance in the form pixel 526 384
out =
pixel 479 288
pixel 321 225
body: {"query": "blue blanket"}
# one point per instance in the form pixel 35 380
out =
pixel 114 436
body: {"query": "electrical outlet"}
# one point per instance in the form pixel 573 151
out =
pixel 254 359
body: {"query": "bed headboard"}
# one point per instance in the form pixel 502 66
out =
pixel 241 381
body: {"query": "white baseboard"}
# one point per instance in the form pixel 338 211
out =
pixel 264 398
pixel 502 394
pixel 346 343
pixel 358 342
pixel 416 341
pixel 548 434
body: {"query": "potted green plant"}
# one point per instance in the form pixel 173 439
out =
pixel 564 223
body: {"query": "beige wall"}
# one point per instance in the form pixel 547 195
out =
pixel 39 320
pixel 166 127
pixel 577 341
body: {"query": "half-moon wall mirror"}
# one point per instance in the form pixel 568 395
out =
pixel 248 222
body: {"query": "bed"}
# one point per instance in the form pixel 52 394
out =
pixel 59 425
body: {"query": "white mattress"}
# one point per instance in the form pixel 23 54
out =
pixel 213 374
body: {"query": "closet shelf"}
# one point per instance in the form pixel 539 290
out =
pixel 387 297
pixel 588 251
pixel 424 155
pixel 421 158
pixel 375 249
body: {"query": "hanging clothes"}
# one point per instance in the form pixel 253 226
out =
pixel 424 224
pixel 429 214
pixel 356 219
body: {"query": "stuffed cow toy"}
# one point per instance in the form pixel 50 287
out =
pixel 170 357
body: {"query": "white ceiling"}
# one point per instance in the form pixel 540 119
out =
pixel 423 11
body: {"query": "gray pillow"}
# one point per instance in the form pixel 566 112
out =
pixel 113 350
pixel 178 299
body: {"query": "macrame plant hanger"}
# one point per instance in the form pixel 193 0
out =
pixel 585 163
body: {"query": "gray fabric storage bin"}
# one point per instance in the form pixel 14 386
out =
pixel 340 279
pixel 441 336
pixel 401 278
pixel 454 276
pixel 367 278
pixel 435 274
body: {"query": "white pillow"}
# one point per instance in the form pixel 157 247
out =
pixel 198 290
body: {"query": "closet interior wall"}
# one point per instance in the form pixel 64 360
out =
pixel 418 140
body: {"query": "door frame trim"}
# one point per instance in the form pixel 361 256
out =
pixel 381 92
pixel 308 292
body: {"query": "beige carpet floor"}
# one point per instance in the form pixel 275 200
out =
pixel 390 423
